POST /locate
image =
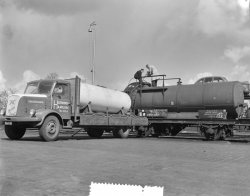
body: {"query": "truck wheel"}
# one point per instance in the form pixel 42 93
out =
pixel 121 132
pixel 97 133
pixel 14 132
pixel 49 131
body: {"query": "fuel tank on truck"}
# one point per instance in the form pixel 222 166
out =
pixel 102 99
pixel 191 98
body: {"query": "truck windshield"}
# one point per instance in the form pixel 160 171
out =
pixel 40 87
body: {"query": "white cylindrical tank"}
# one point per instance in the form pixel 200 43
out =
pixel 103 99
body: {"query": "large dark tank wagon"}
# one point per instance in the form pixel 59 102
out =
pixel 214 107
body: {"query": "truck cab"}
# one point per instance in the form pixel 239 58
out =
pixel 41 100
pixel 41 95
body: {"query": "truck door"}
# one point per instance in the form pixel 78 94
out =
pixel 61 100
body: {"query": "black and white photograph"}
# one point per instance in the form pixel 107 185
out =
pixel 118 98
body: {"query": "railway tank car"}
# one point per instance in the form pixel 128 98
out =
pixel 185 102
pixel 190 98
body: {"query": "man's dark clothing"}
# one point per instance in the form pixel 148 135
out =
pixel 138 76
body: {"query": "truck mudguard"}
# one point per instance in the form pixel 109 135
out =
pixel 43 113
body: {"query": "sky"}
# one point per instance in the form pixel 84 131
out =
pixel 186 39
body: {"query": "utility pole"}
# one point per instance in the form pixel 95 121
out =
pixel 93 40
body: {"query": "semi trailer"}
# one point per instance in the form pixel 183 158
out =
pixel 54 105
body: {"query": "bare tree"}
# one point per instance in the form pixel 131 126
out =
pixel 4 96
pixel 52 76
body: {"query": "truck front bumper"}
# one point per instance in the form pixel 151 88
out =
pixel 10 120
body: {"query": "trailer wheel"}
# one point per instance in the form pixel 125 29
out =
pixel 208 132
pixel 121 132
pixel 49 131
pixel 229 131
pixel 141 131
pixel 220 134
pixel 14 132
pixel 175 130
pixel 161 130
pixel 223 135
pixel 97 133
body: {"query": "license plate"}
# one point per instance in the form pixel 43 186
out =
pixel 8 123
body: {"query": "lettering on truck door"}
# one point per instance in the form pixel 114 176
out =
pixel 61 100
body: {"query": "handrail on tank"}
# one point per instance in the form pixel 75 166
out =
pixel 162 78
pixel 179 80
pixel 151 76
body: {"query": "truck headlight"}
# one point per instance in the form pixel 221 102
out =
pixel 32 112
pixel 2 112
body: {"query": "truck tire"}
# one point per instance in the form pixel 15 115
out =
pixel 96 133
pixel 14 132
pixel 121 132
pixel 50 129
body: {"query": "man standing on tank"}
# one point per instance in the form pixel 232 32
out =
pixel 138 75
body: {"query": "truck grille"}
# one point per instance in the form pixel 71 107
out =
pixel 12 105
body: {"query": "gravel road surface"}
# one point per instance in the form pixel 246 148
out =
pixel 31 167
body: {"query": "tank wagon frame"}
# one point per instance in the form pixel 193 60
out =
pixel 214 108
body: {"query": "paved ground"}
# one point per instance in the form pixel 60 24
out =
pixel 66 167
